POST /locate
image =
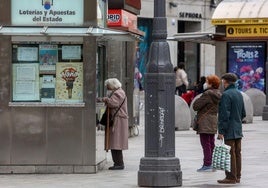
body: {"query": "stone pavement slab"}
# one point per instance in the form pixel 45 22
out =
pixel 188 150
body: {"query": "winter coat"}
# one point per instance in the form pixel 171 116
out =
pixel 207 109
pixel 181 78
pixel 119 131
pixel 231 113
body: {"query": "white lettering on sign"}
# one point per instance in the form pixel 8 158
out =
pixel 161 125
pixel 240 53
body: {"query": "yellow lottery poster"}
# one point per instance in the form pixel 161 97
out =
pixel 69 82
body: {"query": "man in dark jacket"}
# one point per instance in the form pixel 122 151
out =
pixel 231 113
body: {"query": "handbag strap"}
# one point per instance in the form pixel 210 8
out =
pixel 119 108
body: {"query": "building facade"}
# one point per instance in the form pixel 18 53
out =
pixel 243 48
pixel 184 16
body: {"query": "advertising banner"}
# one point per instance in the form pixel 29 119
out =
pixel 47 12
pixel 69 82
pixel 247 61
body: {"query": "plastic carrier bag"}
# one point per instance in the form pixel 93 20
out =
pixel 221 158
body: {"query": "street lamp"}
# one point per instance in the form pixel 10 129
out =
pixel 159 167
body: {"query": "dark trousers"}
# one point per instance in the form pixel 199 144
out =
pixel 235 159
pixel 207 143
pixel 180 90
pixel 117 156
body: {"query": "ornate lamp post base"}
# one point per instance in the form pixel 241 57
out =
pixel 159 172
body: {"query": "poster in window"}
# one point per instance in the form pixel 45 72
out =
pixel 71 52
pixel 27 54
pixel 48 57
pixel 47 91
pixel 247 61
pixel 69 82
pixel 26 82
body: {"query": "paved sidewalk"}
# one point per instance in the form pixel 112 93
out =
pixel 188 150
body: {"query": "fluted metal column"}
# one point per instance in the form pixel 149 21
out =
pixel 159 167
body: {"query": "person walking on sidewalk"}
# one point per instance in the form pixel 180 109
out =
pixel 181 79
pixel 118 132
pixel 231 113
pixel 207 109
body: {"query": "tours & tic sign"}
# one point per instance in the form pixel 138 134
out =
pixel 247 31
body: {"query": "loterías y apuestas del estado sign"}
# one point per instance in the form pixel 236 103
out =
pixel 47 12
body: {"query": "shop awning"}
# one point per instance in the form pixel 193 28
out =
pixel 198 37
pixel 100 33
pixel 234 12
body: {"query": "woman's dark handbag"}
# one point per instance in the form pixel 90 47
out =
pixel 104 121
pixel 104 117
pixel 195 123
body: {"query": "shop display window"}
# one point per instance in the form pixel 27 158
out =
pixel 47 73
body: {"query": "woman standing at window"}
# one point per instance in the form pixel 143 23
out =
pixel 118 132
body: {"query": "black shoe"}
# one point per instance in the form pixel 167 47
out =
pixel 116 167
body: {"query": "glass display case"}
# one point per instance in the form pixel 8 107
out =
pixel 47 73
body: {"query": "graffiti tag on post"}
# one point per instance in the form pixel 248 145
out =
pixel 161 112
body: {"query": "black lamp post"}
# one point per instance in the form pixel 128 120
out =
pixel 159 167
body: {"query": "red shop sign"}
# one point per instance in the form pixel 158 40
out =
pixel 121 18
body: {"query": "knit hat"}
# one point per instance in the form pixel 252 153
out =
pixel 229 77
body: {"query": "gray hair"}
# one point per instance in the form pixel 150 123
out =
pixel 113 83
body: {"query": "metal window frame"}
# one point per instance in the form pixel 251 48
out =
pixel 100 33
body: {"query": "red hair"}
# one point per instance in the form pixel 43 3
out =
pixel 214 81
